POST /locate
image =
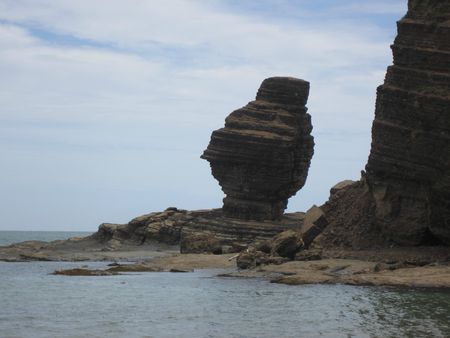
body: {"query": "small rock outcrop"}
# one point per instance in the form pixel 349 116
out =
pixel 408 171
pixel 262 155
pixel 314 223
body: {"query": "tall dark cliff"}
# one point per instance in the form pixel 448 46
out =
pixel 262 155
pixel 408 171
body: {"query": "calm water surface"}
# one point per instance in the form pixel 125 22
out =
pixel 9 237
pixel 37 304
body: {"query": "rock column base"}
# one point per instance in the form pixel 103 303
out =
pixel 256 210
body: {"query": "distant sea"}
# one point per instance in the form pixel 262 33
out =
pixel 9 237
pixel 35 304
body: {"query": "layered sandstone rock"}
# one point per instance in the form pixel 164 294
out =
pixel 262 155
pixel 408 171
pixel 195 231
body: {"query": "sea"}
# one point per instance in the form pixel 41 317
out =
pixel 35 303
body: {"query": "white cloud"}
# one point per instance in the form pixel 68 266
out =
pixel 223 52
pixel 186 24
pixel 373 7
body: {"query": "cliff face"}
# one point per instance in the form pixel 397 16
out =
pixel 408 171
pixel 262 155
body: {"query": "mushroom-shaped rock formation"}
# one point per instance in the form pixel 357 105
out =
pixel 262 155
pixel 408 171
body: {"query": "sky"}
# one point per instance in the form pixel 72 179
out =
pixel 107 105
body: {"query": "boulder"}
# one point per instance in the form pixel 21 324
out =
pixel 314 223
pixel 106 232
pixel 287 244
pixel 340 186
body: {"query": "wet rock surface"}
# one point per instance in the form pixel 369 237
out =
pixel 408 171
pixel 410 267
pixel 84 272
pixel 399 269
pixel 174 262
pixel 262 155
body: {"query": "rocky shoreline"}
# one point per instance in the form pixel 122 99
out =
pixel 427 267
pixel 324 271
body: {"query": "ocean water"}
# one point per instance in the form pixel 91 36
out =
pixel 9 237
pixel 35 303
